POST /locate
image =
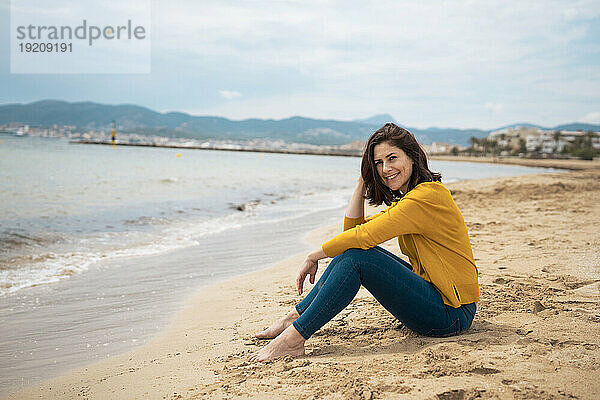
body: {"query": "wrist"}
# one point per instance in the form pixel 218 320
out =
pixel 360 185
pixel 315 256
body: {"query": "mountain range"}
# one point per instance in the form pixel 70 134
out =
pixel 142 120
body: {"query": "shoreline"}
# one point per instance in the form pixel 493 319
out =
pixel 131 305
pixel 557 163
pixel 202 353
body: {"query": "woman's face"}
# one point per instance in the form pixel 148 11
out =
pixel 393 166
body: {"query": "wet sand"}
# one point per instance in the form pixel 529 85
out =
pixel 535 240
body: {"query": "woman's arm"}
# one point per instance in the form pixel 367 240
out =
pixel 356 210
pixel 418 212
pixel 356 207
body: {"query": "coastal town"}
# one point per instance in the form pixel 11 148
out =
pixel 518 141
pixel 526 141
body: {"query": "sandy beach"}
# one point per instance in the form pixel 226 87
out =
pixel 535 240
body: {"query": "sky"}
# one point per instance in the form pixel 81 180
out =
pixel 461 64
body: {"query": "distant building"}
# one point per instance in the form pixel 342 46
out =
pixel 439 147
pixel 550 142
pixel 511 137
pixel 354 145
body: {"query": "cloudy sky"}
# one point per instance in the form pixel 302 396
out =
pixel 465 64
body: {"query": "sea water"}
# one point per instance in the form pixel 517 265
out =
pixel 100 244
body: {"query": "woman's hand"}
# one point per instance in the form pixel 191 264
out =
pixel 309 267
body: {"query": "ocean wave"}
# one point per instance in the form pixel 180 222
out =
pixel 23 271
pixel 11 240
pixel 33 270
pixel 36 269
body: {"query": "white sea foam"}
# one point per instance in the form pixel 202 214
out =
pixel 28 271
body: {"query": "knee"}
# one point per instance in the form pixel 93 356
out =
pixel 347 255
pixel 359 255
pixel 353 253
pixel 350 258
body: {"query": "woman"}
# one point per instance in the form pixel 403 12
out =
pixel 434 295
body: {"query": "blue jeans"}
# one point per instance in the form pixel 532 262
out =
pixel 410 298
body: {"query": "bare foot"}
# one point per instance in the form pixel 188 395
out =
pixel 274 330
pixel 289 342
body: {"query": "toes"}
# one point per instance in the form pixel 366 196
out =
pixel 264 333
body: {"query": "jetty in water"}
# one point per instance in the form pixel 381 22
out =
pixel 325 152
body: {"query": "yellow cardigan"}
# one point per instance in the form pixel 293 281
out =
pixel 431 231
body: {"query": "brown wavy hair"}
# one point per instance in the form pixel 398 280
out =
pixel 377 191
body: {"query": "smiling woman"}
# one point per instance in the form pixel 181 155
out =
pixel 393 150
pixel 393 166
pixel 433 295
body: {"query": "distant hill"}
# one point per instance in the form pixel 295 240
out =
pixel 523 124
pixel 448 135
pixel 379 119
pixel 577 126
pixel 132 118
